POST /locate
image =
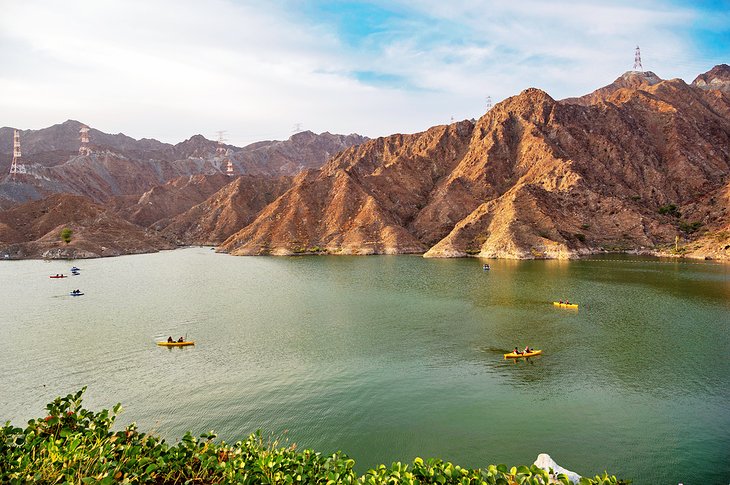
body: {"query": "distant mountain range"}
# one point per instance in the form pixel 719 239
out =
pixel 120 165
pixel 642 164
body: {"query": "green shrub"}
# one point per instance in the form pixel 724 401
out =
pixel 689 227
pixel 580 237
pixel 670 210
pixel 75 445
pixel 66 235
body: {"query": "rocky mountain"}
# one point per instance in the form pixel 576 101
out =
pixel 717 78
pixel 628 80
pixel 170 199
pixel 122 166
pixel 301 151
pixel 32 230
pixel 224 213
pixel 631 166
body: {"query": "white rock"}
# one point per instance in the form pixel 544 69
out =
pixel 546 463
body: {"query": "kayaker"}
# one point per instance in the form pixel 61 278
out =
pixel 169 339
pixel 527 349
pixel 180 340
pixel 517 352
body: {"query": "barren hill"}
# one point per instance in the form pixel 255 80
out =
pixel 630 167
pixel 224 213
pixel 32 230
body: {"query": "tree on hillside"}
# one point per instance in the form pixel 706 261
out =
pixel 66 235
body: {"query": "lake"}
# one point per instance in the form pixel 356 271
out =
pixel 390 357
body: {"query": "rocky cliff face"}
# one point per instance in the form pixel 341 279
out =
pixel 629 167
pixel 32 230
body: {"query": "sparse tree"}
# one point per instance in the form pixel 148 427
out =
pixel 66 235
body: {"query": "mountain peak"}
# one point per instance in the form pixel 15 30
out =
pixel 716 78
pixel 635 79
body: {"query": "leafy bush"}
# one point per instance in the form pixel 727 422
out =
pixel 670 210
pixel 580 237
pixel 75 445
pixel 689 227
pixel 66 235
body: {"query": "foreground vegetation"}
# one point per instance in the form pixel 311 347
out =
pixel 75 445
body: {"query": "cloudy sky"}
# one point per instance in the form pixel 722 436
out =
pixel 169 69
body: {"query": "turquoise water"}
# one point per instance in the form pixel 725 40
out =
pixel 390 357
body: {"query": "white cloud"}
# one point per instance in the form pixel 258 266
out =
pixel 169 69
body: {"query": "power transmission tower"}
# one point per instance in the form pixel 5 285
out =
pixel 220 149
pixel 297 127
pixel 84 149
pixel 489 103
pixel 637 60
pixel 16 154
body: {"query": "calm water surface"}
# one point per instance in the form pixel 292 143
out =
pixel 390 357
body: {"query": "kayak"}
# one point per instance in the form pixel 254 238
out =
pixel 176 344
pixel 565 305
pixel 512 355
pixel 76 294
pixel 58 276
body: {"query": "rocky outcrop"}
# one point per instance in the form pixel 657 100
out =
pixel 545 462
pixel 224 213
pixel 32 230
pixel 717 78
pixel 631 167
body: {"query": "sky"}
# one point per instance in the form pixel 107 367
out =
pixel 261 70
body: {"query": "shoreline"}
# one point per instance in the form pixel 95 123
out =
pixel 661 256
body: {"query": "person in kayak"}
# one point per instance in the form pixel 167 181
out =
pixel 527 349
pixel 169 339
pixel 180 340
pixel 517 352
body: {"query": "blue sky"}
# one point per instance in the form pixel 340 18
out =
pixel 169 69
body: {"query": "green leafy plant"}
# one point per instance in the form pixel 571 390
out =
pixel 74 445
pixel 689 227
pixel 66 234
pixel 580 237
pixel 669 210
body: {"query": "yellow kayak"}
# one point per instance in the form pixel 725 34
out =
pixel 565 305
pixel 512 355
pixel 176 344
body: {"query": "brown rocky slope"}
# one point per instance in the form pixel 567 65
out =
pixel 225 212
pixel 628 168
pixel 32 230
